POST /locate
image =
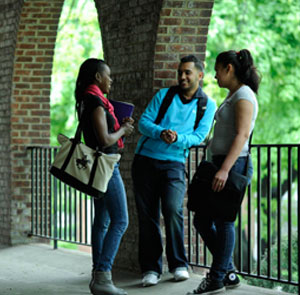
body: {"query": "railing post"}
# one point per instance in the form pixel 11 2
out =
pixel 290 236
pixel 259 253
pixel 269 212
pixel 190 224
pixel 298 215
pixel 55 211
pixel 32 191
pixel 279 193
pixel 55 214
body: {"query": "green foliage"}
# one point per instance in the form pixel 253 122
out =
pixel 78 38
pixel 66 245
pixel 284 269
pixel 270 30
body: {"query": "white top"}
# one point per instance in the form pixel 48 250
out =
pixel 224 129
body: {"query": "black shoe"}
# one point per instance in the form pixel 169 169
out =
pixel 231 280
pixel 209 286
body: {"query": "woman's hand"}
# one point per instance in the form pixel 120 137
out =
pixel 127 128
pixel 128 120
pixel 219 180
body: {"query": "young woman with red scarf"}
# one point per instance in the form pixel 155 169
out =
pixel 102 130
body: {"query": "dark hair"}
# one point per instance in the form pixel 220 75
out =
pixel 192 58
pixel 86 77
pixel 242 61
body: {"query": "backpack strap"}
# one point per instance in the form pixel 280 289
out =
pixel 166 103
pixel 201 108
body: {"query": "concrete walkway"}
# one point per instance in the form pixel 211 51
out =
pixel 38 269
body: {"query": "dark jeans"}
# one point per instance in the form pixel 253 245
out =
pixel 159 185
pixel 219 235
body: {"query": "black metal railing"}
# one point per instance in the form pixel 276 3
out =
pixel 267 227
pixel 59 212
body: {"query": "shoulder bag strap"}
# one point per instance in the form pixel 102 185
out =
pixel 249 152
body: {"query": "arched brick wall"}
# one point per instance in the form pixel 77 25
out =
pixel 143 42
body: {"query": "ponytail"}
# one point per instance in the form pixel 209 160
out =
pixel 242 61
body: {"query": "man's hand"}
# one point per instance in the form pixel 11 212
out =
pixel 168 136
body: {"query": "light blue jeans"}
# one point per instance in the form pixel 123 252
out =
pixel 110 223
pixel 219 235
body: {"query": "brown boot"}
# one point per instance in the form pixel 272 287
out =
pixel 102 284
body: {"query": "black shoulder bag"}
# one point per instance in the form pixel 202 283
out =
pixel 224 204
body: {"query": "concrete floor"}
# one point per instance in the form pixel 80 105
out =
pixel 38 269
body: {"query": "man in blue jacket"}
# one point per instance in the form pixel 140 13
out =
pixel 158 170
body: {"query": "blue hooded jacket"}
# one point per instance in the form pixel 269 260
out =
pixel 179 117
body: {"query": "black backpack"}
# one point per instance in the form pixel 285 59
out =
pixel 201 107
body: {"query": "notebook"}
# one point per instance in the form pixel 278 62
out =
pixel 122 109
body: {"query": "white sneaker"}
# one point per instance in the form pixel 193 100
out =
pixel 150 279
pixel 181 275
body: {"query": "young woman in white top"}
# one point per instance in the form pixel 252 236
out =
pixel 235 121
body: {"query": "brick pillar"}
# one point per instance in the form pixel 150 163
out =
pixel 129 31
pixel 143 42
pixel 30 103
pixel 9 16
pixel 182 30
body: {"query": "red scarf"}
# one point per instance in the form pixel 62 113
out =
pixel 95 90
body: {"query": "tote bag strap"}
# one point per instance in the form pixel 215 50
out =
pixel 81 117
pixel 78 132
pixel 74 141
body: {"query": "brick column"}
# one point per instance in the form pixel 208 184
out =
pixel 9 16
pixel 143 42
pixel 182 30
pixel 129 31
pixel 30 103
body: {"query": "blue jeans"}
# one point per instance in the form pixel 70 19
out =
pixel 219 235
pixel 159 185
pixel 110 223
